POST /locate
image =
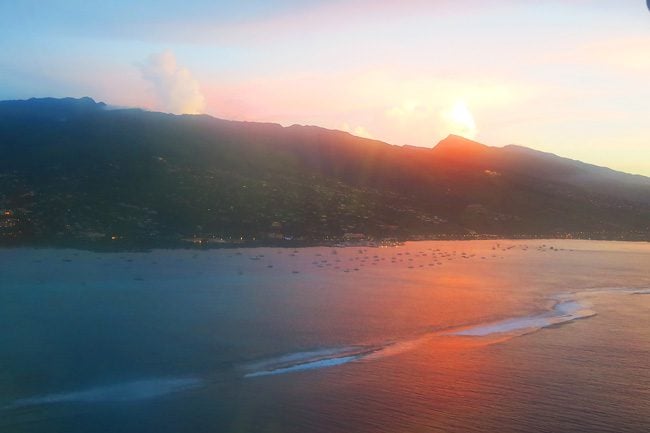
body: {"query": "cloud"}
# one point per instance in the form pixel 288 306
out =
pixel 359 131
pixel 176 90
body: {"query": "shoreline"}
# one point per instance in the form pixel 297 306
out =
pixel 198 245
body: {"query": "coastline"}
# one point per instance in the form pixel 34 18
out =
pixel 138 245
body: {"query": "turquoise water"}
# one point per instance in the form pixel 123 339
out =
pixel 429 336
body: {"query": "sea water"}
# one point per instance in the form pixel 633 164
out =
pixel 506 336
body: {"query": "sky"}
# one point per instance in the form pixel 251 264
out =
pixel 570 77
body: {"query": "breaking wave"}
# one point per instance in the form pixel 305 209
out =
pixel 121 392
pixel 566 309
pixel 563 312
pixel 310 360
pixel 322 363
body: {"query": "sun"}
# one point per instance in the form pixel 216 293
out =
pixel 461 115
pixel 460 120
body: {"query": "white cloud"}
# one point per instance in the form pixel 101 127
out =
pixel 359 131
pixel 176 90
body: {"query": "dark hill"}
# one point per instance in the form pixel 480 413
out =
pixel 74 172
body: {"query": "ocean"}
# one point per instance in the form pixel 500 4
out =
pixel 440 336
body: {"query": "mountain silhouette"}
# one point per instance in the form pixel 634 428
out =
pixel 77 172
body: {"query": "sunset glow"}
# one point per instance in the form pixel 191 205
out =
pixel 461 120
pixel 324 216
pixel 563 77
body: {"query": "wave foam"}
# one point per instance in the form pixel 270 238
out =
pixel 566 309
pixel 310 360
pixel 563 312
pixel 323 363
pixel 122 392
pixel 641 292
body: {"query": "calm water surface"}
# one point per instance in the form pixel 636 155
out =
pixel 508 336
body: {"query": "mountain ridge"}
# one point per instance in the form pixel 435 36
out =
pixel 74 171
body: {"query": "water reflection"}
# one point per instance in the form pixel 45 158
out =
pixel 413 338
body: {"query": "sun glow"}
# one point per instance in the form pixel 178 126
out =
pixel 460 120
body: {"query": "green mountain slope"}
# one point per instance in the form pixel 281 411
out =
pixel 74 172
